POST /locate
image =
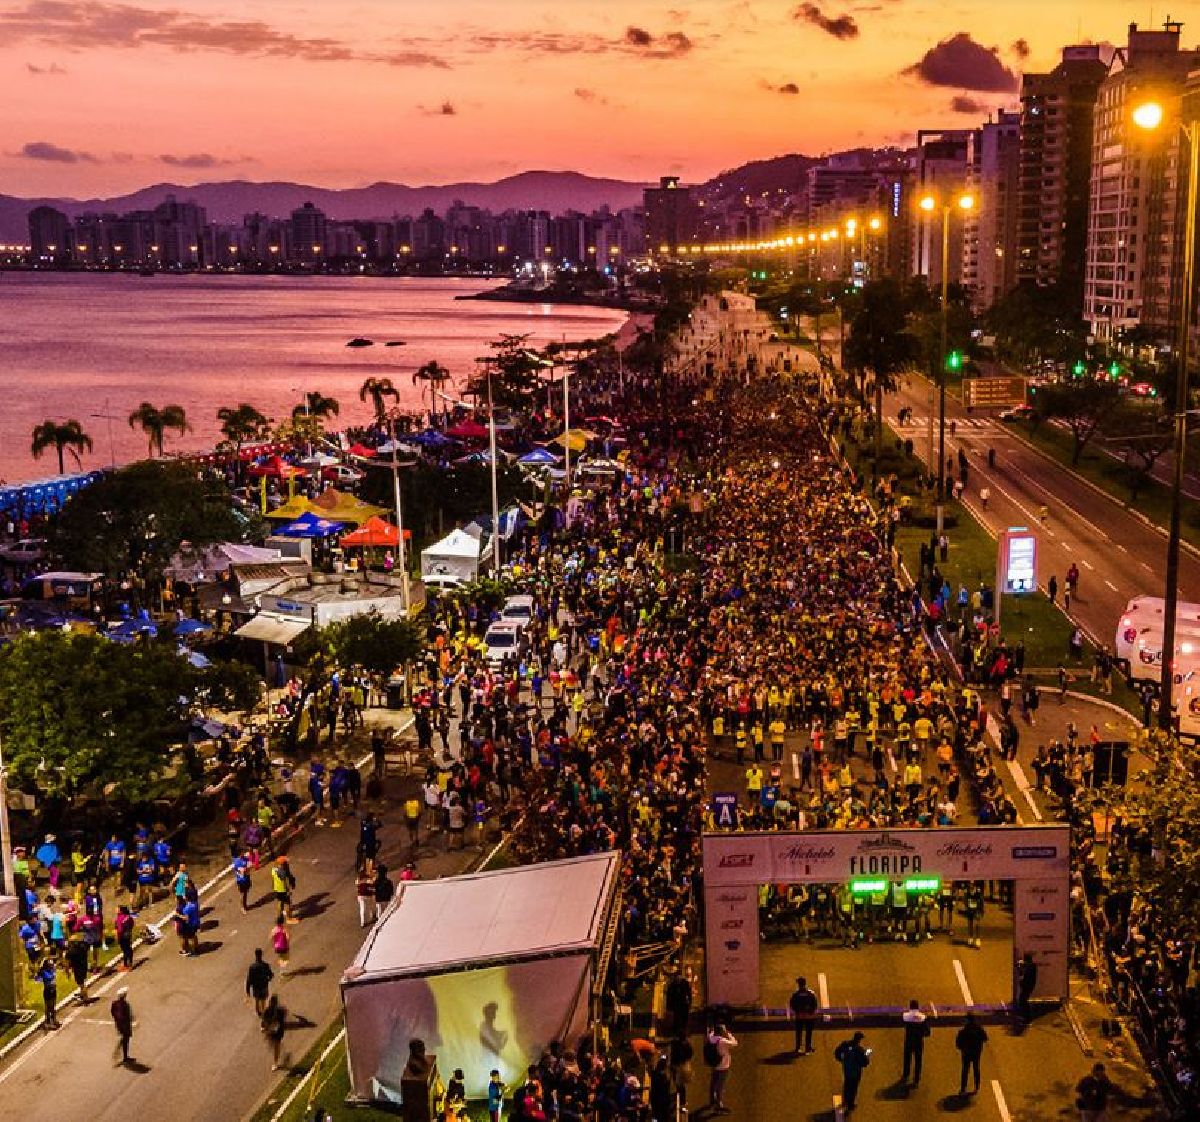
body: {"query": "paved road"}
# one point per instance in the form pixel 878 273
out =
pixel 1119 556
pixel 200 1054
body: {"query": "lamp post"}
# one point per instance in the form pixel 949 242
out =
pixel 400 551
pixel 928 204
pixel 1150 116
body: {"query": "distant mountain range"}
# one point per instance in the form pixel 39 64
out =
pixel 227 202
pixel 555 191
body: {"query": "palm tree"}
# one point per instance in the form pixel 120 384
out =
pixel 316 404
pixel 377 391
pixel 67 436
pixel 155 422
pixel 435 375
pixel 242 424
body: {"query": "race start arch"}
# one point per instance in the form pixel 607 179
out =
pixel 1035 858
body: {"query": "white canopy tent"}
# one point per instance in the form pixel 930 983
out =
pixel 486 969
pixel 453 560
pixel 201 566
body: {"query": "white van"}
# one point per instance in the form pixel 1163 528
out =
pixel 517 609
pixel 1138 645
pixel 502 639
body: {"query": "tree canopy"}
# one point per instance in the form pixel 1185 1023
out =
pixel 515 369
pixel 155 422
pixel 64 436
pixel 136 519
pixel 243 424
pixel 80 713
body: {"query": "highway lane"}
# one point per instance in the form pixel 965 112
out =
pixel 1118 555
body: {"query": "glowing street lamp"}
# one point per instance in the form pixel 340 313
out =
pixel 929 203
pixel 1150 116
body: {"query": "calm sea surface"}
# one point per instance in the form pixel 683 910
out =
pixel 93 346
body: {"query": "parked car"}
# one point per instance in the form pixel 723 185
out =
pixel 341 473
pixel 27 551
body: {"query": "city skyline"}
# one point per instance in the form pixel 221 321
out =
pixel 382 91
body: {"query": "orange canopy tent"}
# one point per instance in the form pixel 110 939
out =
pixel 375 532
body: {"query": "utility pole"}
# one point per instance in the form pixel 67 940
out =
pixel 401 553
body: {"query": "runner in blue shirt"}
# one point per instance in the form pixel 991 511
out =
pixel 241 877
pixel 114 857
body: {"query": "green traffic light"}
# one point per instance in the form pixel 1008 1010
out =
pixel 954 360
pixel 1078 369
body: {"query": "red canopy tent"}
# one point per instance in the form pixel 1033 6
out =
pixel 362 451
pixel 468 430
pixel 276 468
pixel 374 532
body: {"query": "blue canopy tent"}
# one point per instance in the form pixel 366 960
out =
pixel 130 629
pixel 199 661
pixel 186 627
pixel 311 526
pixel 539 457
pixel 430 438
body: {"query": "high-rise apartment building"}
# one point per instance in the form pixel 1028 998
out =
pixel 670 214
pixel 989 265
pixel 941 168
pixel 1056 165
pixel 50 238
pixel 309 230
pixel 1135 212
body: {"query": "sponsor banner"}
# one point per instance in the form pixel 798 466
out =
pixel 834 856
pixel 1041 925
pixel 731 944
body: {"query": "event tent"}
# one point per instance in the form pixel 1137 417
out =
pixel 468 430
pixel 453 560
pixel 540 457
pixel 486 969
pixel 311 526
pixel 201 566
pixel 291 510
pixel 275 467
pixel 339 506
pixel 374 532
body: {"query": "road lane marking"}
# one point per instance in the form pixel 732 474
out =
pixel 823 990
pixel 1111 585
pixel 795 767
pixel 1001 1105
pixel 1086 564
pixel 1125 549
pixel 1019 778
pixel 1146 566
pixel 960 974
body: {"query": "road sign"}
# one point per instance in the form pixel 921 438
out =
pixel 993 393
pixel 725 809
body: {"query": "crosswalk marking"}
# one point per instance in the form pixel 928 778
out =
pixel 921 421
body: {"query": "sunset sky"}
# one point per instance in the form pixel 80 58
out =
pixel 100 98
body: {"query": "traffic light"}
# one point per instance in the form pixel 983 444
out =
pixel 1114 370
pixel 1078 369
pixel 954 360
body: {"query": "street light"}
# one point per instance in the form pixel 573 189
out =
pixel 929 203
pixel 1150 116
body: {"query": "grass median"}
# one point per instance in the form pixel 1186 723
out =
pixel 327 1086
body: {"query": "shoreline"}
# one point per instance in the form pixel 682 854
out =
pixel 508 294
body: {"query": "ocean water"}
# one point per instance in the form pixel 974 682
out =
pixel 93 346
